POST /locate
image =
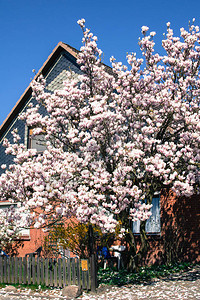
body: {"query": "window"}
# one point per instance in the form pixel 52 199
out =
pixel 37 142
pixel 153 223
pixel 24 233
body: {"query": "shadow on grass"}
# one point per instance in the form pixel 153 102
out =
pixel 148 275
pixel 192 275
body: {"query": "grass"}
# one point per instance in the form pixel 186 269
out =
pixel 145 274
pixel 33 287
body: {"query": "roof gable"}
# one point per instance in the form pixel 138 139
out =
pixel 61 47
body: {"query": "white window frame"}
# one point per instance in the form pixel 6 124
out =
pixel 34 140
pixel 153 224
pixel 24 233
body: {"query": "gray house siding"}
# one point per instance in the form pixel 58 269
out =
pixel 54 78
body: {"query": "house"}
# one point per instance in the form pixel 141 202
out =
pixel 61 60
pixel 173 229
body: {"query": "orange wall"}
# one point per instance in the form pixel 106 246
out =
pixel 32 244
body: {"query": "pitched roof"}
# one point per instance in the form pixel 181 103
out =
pixel 43 70
pixel 28 92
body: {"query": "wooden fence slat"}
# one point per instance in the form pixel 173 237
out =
pixel 46 271
pixel 83 280
pixel 20 269
pixel 12 270
pixel 55 273
pixel 73 271
pixel 33 269
pixel 38 268
pixel 42 271
pixel 64 271
pixel 24 270
pixel 16 269
pixel 78 273
pixel 8 268
pixel 60 273
pixel 51 271
pixel 68 272
pixel 29 269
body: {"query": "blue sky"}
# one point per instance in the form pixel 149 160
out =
pixel 30 29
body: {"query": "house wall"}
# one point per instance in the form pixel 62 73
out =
pixel 180 231
pixel 179 239
pixel 33 243
pixel 54 79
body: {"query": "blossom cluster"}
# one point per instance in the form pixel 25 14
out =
pixel 12 221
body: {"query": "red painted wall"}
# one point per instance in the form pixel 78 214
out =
pixel 33 243
pixel 180 232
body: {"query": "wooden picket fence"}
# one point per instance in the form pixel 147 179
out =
pixel 49 272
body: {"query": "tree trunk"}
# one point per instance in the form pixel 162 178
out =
pixel 133 256
pixel 90 240
pixel 129 256
pixel 144 244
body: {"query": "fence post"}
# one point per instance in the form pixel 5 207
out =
pixel 46 271
pixel 60 278
pixel 5 269
pixel 78 274
pixel 68 271
pixel 29 269
pixel 64 271
pixel 9 275
pixel 16 269
pixel 24 270
pixel 38 270
pixel 51 271
pixel 93 273
pixel 42 271
pixel 73 271
pixel 20 270
pixel 56 273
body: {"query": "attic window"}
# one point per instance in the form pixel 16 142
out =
pixel 37 142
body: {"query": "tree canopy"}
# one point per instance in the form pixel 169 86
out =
pixel 112 138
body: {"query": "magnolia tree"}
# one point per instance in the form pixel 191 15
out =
pixel 113 137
